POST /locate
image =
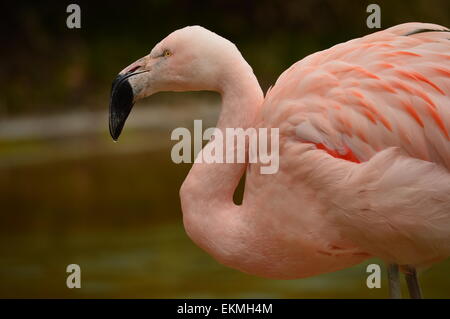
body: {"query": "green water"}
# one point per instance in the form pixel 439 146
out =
pixel 118 217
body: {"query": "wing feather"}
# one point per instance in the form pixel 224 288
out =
pixel 390 88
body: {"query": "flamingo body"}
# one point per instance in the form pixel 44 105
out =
pixel 365 147
pixel 364 157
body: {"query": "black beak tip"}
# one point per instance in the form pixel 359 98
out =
pixel 114 136
pixel 120 105
pixel 114 122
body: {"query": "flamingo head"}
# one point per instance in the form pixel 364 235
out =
pixel 189 59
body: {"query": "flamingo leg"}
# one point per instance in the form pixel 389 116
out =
pixel 413 282
pixel 395 291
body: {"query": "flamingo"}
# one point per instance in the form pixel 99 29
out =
pixel 364 152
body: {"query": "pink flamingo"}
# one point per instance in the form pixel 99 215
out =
pixel 364 152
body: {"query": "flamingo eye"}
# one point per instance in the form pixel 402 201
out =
pixel 166 53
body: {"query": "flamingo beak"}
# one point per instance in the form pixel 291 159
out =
pixel 121 103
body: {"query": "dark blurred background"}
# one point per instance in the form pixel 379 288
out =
pixel 70 195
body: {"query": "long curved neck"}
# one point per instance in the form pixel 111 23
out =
pixel 210 187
